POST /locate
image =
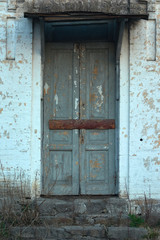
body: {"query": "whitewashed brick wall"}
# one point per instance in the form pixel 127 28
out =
pixel 144 139
pixel 140 108
pixel 15 92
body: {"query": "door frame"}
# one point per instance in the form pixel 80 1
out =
pixel 37 110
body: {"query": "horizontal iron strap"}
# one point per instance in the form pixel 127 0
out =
pixel 81 124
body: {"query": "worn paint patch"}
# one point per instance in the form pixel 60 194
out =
pixel 95 133
pixel 56 98
pixel 99 102
pixel 46 88
pixel 95 164
pixel 76 103
pixel 93 176
pixel 35 131
pixel 64 133
pixel 93 97
pixel 75 83
pixel 147 163
pixel 6 134
pixel 148 101
pixel 157 142
pixel 56 75
pixel 1 110
pixel 1 82
pixel 156 161
pixel 95 71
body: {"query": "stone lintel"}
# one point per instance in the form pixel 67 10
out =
pixel 121 7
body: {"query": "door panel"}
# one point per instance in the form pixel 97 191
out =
pixel 79 84
pixel 62 77
pixel 97 74
pixel 60 165
pixel 97 151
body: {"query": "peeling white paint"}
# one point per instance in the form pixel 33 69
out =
pixel 76 103
pixel 100 102
pixel 46 88
pixel 75 83
pixel 56 162
pixel 100 90
pixel 56 99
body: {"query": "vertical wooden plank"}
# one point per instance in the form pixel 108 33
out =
pixel 61 85
pixel 76 109
pixel 11 39
pixel 76 82
pixel 83 102
pixel 48 70
pixel 113 169
pixel 97 146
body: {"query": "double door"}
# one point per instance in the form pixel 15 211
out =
pixel 79 90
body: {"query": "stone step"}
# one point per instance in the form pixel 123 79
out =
pixel 89 219
pixel 126 233
pixel 78 210
pixel 78 206
pixel 62 233
pixel 96 232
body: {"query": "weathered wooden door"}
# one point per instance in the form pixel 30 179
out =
pixel 79 84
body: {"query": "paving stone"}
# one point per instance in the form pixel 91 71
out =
pixel 96 232
pixel 69 232
pixel 122 233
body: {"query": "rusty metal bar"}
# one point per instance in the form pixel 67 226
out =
pixel 81 124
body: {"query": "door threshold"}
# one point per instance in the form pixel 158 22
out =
pixel 67 197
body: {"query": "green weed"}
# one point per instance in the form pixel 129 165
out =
pixel 4 233
pixel 135 221
pixel 152 234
